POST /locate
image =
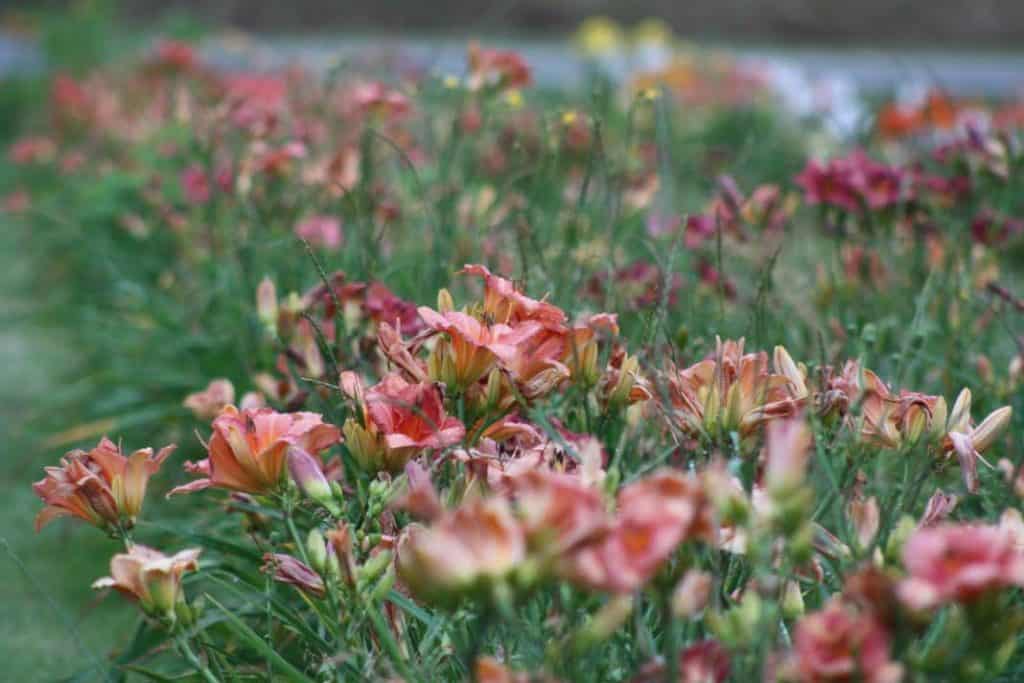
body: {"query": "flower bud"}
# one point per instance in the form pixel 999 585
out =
pixel 266 305
pixel 384 586
pixel 309 477
pixel 991 428
pixel 605 622
pixel 785 366
pixel 373 567
pixel 960 417
pixel 691 594
pixel 903 530
pixel 316 550
pixel 792 600
pixel 866 518
pixel 445 303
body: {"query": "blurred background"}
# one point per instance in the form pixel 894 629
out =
pixel 902 23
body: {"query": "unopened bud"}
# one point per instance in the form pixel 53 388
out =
pixel 309 477
pixel 691 594
pixel 445 303
pixel 316 550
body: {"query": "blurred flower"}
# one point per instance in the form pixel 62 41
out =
pixel 150 578
pixel 654 516
pixel 840 643
pixel 32 150
pixel 208 403
pixel 101 485
pixel 496 68
pixel 378 100
pixel 691 594
pixel 958 563
pixel 472 549
pixel 248 449
pixel 195 184
pixel 939 507
pixel 598 36
pixel 323 232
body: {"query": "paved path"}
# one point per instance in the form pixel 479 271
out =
pixel 870 70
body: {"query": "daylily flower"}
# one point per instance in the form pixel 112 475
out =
pixel 467 351
pixel 840 643
pixel 959 563
pixel 378 100
pixel 558 511
pixel 473 548
pixel 654 516
pixel 969 443
pixel 150 578
pixel 499 69
pixel 208 403
pixel 398 421
pixel 248 449
pixel 320 231
pixel 195 184
pixel 101 485
pixel 505 303
pixel 731 392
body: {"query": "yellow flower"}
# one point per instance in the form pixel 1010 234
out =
pixel 598 36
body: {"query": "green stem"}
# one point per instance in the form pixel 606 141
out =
pixel 194 660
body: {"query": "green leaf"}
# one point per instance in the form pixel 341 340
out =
pixel 253 640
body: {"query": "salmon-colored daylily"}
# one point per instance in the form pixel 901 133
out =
pixel 150 578
pixel 732 391
pixel 248 449
pixel 398 420
pixel 101 486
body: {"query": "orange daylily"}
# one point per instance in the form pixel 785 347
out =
pixel 101 486
pixel 248 450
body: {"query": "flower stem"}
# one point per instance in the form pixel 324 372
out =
pixel 193 659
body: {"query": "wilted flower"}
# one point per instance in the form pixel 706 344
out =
pixel 398 421
pixel 959 563
pixel 940 506
pixel 101 485
pixel 248 449
pixel 842 643
pixel 150 578
pixel 287 569
pixel 473 549
pixel 208 403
